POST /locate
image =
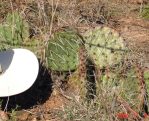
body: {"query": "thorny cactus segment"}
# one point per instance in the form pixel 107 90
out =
pixel 14 30
pixel 104 46
pixel 62 53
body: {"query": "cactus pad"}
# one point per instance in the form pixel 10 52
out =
pixel 14 30
pixel 104 46
pixel 62 53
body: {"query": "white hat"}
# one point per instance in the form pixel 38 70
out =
pixel 19 71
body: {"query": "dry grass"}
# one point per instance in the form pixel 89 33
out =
pixel 119 93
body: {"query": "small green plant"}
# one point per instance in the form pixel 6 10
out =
pixel 13 116
pixel 145 12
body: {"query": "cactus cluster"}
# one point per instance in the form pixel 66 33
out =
pixel 104 46
pixel 14 30
pixel 62 53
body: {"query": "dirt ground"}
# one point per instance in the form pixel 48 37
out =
pixel 41 101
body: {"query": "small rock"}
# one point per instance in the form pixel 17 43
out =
pixel 34 119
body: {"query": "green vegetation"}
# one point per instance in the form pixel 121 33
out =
pixel 62 52
pixel 108 81
pixel 14 31
pixel 104 46
pixel 145 12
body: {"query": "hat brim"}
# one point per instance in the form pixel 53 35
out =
pixel 19 71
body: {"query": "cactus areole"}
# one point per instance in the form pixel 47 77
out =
pixel 19 70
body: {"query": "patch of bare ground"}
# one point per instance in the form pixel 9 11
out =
pixel 43 112
pixel 135 31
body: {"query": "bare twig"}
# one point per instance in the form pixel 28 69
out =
pixel 53 13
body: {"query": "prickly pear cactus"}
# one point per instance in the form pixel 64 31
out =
pixel 62 53
pixel 104 46
pixel 14 30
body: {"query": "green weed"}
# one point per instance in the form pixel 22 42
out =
pixel 145 12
